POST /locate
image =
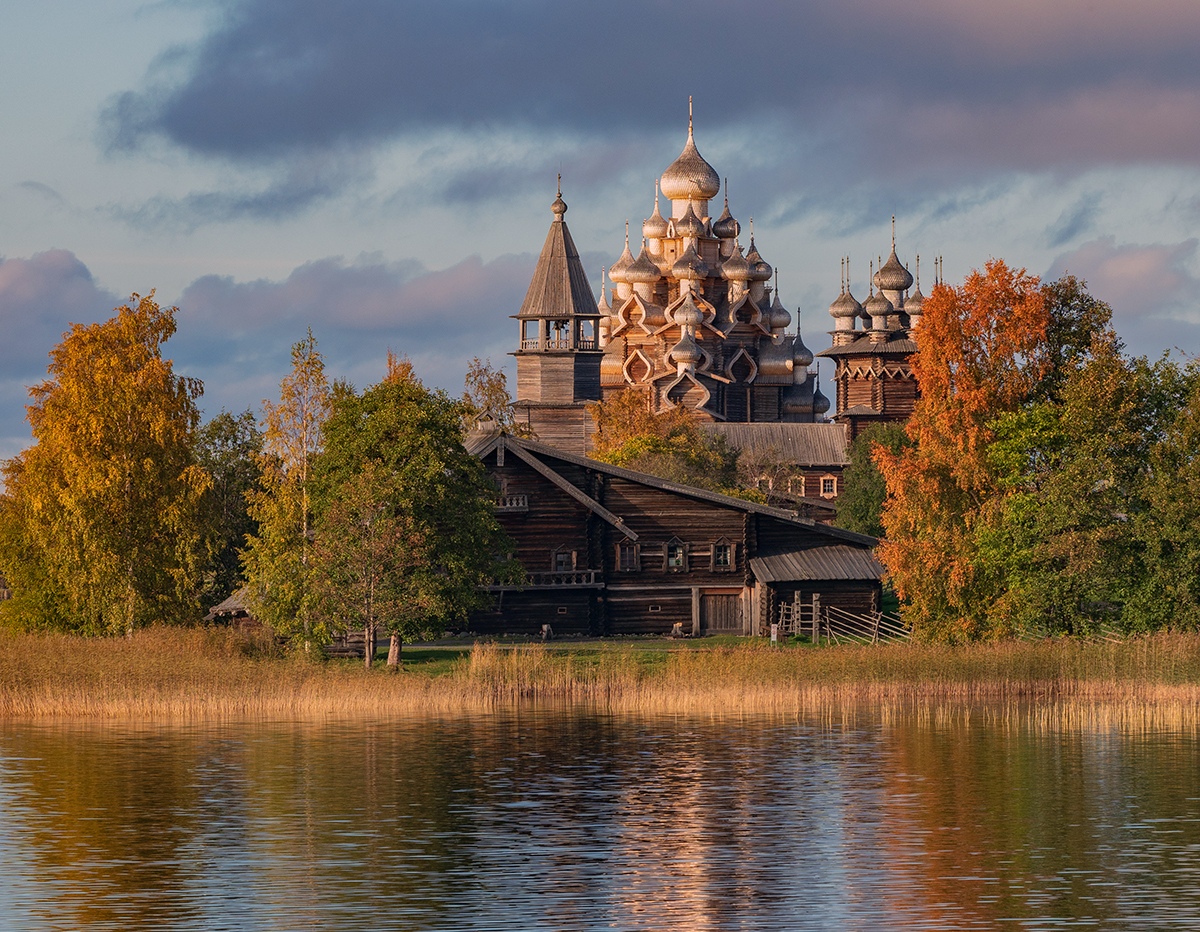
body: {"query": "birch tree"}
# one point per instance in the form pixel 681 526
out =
pixel 277 560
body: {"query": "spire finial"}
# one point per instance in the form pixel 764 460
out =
pixel 727 194
pixel 918 271
pixel 893 232
pixel 871 276
pixel 656 194
pixel 626 234
pixel 560 184
pixel 689 116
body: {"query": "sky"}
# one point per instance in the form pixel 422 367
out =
pixel 382 172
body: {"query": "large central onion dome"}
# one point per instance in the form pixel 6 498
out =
pixel 893 276
pixel 689 177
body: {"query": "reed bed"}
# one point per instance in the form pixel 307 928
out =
pixel 172 674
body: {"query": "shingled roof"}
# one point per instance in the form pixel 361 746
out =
pixel 560 285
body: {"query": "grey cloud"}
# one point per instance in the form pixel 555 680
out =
pixel 303 182
pixel 1074 221
pixel 40 297
pixel 236 336
pixel 1150 287
pixel 911 89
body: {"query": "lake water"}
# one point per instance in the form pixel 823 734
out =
pixel 573 821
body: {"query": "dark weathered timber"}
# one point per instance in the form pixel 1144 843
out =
pixel 610 551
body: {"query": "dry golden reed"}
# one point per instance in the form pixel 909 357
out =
pixel 175 674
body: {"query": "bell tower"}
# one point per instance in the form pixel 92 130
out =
pixel 558 359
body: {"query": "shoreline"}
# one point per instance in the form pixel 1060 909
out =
pixel 211 675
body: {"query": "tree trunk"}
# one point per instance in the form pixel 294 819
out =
pixel 368 645
pixel 393 660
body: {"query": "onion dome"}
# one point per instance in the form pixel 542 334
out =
pixel 686 352
pixel 914 304
pixel 802 356
pixel 689 266
pixel 759 270
pixel 689 224
pixel 725 227
pixel 893 276
pixel 689 177
pixel 878 306
pixel 656 226
pixel 616 271
pixel 736 268
pixel 781 318
pixel 820 402
pixel 603 305
pixel 845 305
pixel 643 270
pixel 687 314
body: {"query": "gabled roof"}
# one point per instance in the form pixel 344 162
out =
pixel 799 444
pixel 544 451
pixel 559 287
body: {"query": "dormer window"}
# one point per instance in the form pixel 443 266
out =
pixel 676 556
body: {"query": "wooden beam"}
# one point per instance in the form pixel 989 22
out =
pixel 584 499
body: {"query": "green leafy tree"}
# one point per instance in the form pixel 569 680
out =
pixel 405 531
pixel 487 404
pixel 229 449
pixel 1071 474
pixel 670 444
pixel 277 559
pixel 100 519
pixel 1168 531
pixel 860 506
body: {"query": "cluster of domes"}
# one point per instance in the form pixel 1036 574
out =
pixel 694 305
pixel 890 306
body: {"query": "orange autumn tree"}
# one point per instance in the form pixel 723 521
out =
pixel 981 353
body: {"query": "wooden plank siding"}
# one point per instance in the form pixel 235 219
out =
pixel 645 595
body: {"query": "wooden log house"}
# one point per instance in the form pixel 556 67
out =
pixel 611 551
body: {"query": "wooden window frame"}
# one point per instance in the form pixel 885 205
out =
pixel 683 552
pixel 624 547
pixel 731 567
pixel 554 555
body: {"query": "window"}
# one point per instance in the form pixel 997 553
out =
pixel 796 485
pixel 722 555
pixel 676 555
pixel 564 561
pixel 628 558
pixel 828 486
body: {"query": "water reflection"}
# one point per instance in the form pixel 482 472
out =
pixel 569 820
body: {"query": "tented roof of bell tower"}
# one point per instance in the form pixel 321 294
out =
pixel 559 287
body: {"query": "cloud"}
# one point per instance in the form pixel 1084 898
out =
pixel 236 336
pixel 1150 287
pixel 40 297
pixel 302 183
pixel 917 86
